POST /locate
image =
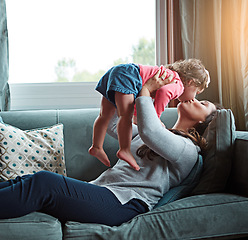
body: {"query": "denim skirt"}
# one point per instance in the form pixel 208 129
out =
pixel 124 78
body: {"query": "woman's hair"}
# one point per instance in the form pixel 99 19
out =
pixel 191 69
pixel 201 127
pixel 194 134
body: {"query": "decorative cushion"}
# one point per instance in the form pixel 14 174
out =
pixel 30 151
pixel 220 135
pixel 185 188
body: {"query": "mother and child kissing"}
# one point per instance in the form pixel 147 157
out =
pixel 120 86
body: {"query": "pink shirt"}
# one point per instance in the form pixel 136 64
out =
pixel 165 93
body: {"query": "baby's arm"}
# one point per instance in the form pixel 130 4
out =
pixel 165 94
pixel 162 98
pixel 156 137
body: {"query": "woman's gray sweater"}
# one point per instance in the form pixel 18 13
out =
pixel 177 156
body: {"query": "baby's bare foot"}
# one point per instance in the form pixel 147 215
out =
pixel 128 157
pixel 100 154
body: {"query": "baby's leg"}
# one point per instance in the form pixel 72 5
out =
pixel 99 131
pixel 125 108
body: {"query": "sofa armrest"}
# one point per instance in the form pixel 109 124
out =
pixel 238 183
pixel 242 135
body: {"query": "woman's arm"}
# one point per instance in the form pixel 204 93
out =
pixel 112 128
pixel 154 135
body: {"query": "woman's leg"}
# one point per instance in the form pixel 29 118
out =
pixel 66 199
pixel 125 108
pixel 19 197
pixel 88 203
pixel 13 181
pixel 99 131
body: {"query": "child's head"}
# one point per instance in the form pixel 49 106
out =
pixel 194 76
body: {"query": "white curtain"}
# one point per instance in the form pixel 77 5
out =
pixel 216 31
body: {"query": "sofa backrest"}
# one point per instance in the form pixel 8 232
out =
pixel 78 124
pixel 77 136
pixel 220 135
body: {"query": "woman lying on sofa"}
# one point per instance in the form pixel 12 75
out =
pixel 165 158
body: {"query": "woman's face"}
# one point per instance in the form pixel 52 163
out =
pixel 196 110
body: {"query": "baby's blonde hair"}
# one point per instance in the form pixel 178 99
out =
pixel 191 69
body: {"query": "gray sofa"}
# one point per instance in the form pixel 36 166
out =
pixel 216 208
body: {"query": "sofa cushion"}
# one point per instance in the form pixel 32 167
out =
pixel 197 217
pixel 185 188
pixel 220 135
pixel 34 226
pixel 30 151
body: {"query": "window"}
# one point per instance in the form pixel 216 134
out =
pixel 77 40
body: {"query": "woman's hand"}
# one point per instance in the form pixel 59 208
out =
pixel 154 83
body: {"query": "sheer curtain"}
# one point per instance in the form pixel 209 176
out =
pixel 216 31
pixel 4 60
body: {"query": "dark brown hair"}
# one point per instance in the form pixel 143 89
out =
pixel 194 134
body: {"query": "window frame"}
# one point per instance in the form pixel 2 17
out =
pixel 72 95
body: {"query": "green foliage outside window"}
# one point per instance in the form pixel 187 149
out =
pixel 143 53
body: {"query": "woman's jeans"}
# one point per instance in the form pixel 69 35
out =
pixel 66 199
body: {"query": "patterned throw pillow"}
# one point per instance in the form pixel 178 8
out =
pixel 30 151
